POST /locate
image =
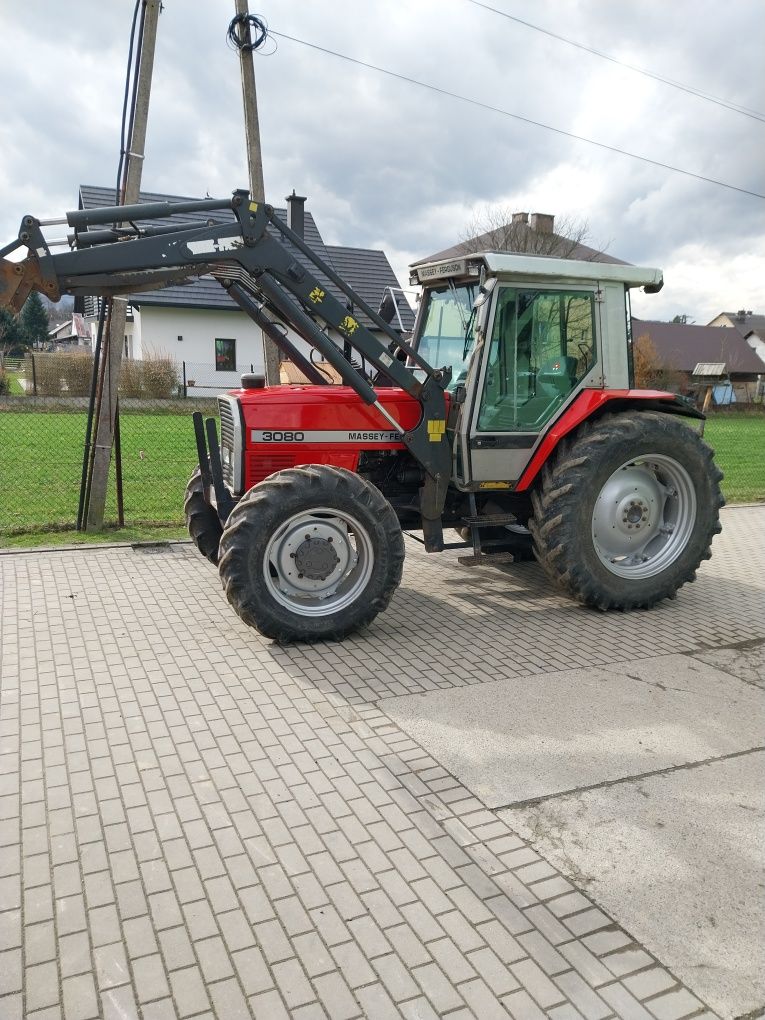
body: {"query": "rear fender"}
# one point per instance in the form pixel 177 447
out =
pixel 591 404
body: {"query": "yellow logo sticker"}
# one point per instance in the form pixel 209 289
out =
pixel 253 206
pixel 348 325
pixel 317 295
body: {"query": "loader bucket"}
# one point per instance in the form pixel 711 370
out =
pixel 18 280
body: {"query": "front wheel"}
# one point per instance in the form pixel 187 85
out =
pixel 202 521
pixel 627 510
pixel 311 553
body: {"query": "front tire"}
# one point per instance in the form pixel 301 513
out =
pixel 311 553
pixel 627 510
pixel 202 521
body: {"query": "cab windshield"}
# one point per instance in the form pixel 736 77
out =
pixel 446 337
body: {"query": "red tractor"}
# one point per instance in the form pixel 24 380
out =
pixel 527 437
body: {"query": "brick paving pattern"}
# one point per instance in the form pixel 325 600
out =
pixel 197 823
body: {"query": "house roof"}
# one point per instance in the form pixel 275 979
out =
pixel 684 347
pixel 367 271
pixel 74 327
pixel 746 324
pixel 517 234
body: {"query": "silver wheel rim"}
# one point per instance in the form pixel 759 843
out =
pixel 644 516
pixel 318 562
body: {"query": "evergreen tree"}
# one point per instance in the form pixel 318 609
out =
pixel 12 336
pixel 34 320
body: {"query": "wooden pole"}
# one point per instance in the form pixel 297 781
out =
pixel 254 159
pixel 104 440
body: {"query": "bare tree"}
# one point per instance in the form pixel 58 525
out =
pixel 651 371
pixel 498 228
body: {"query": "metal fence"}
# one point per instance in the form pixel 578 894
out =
pixel 43 416
pixel 70 373
pixel 42 443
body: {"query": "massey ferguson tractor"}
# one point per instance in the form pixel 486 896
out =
pixel 509 416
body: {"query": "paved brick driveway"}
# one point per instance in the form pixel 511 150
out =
pixel 197 823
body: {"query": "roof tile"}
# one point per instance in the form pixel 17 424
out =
pixel 683 346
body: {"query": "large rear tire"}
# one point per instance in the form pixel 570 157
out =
pixel 627 510
pixel 201 520
pixel 311 553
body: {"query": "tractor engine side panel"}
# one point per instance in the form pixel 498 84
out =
pixel 285 426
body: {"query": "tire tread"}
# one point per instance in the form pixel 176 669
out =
pixel 559 491
pixel 301 484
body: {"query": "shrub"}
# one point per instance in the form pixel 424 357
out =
pixel 5 382
pixel 46 374
pixel 77 371
pixel 131 378
pixel 160 376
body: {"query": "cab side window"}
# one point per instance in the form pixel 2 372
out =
pixel 542 346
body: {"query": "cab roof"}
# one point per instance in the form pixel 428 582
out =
pixel 508 266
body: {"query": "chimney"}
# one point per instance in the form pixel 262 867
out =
pixel 520 217
pixel 296 213
pixel 543 223
pixel 741 315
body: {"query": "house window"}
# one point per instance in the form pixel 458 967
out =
pixel 225 355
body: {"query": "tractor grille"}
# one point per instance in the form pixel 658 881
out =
pixel 228 450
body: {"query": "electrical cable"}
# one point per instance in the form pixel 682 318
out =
pixel 133 102
pixel 247 32
pixel 125 100
pixel 516 116
pixel 699 93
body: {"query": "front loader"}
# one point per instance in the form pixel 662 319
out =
pixel 510 416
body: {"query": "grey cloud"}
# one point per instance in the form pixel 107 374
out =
pixel 385 157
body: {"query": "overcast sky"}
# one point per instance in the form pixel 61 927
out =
pixel 389 165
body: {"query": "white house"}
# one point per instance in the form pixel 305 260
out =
pixel 200 326
pixel 749 325
pixel 70 334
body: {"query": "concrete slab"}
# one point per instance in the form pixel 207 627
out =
pixel 746 661
pixel 676 859
pixel 524 738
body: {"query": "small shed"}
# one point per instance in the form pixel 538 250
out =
pixel 719 387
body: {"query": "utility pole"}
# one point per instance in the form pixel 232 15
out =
pixel 254 158
pixel 104 438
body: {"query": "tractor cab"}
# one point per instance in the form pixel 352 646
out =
pixel 524 337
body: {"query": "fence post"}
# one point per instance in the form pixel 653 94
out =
pixel 34 376
pixel 185 388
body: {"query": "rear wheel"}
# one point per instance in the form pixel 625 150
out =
pixel 627 510
pixel 201 520
pixel 311 553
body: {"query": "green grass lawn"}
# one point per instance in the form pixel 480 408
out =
pixel 41 463
pixel 739 444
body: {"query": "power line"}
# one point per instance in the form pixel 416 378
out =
pixel 515 116
pixel 699 93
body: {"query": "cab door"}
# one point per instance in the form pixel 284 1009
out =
pixel 541 349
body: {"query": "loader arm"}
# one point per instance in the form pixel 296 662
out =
pixel 247 256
